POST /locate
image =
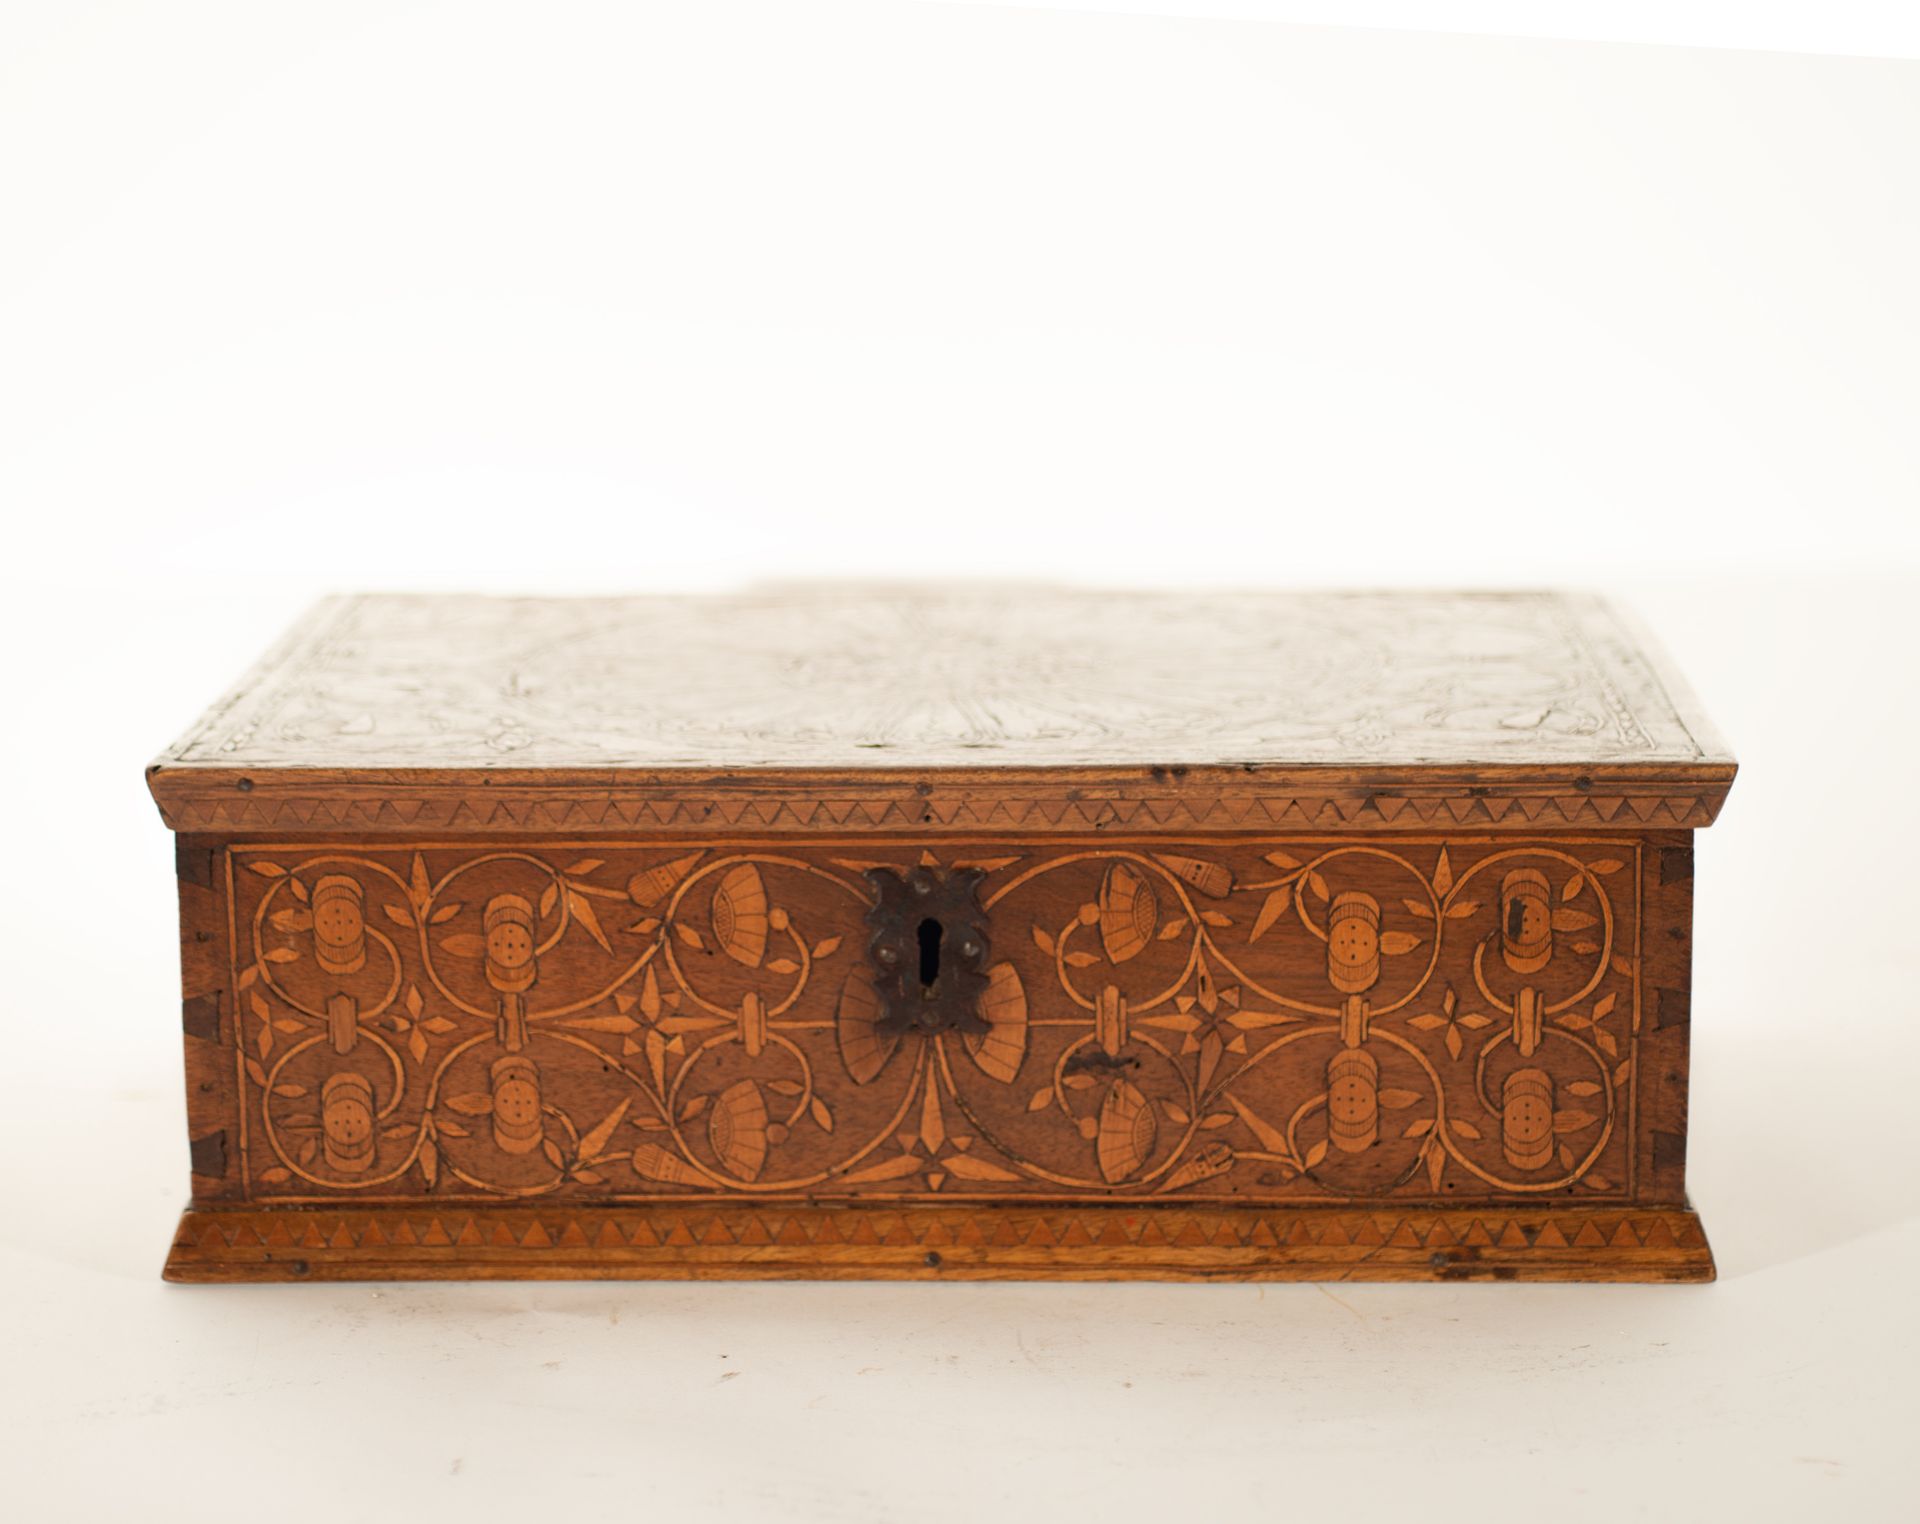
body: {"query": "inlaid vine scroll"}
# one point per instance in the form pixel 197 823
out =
pixel 1294 1020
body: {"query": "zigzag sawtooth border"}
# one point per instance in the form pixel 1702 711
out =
pixel 963 811
pixel 288 1243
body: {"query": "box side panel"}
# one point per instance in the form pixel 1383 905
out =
pixel 1666 887
pixel 216 1117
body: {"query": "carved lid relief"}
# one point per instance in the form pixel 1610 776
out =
pixel 952 677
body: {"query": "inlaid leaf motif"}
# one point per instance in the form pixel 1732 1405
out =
pixel 581 908
pixel 933 1124
pixel 887 1169
pixel 595 1141
pixel 1271 1138
pixel 967 1167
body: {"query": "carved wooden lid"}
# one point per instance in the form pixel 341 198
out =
pixel 971 709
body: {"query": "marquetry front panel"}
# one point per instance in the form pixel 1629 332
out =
pixel 1291 1020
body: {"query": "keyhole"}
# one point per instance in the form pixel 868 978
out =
pixel 930 933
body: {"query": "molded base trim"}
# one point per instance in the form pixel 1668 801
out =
pixel 453 1241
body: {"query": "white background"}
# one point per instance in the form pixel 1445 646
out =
pixel 565 297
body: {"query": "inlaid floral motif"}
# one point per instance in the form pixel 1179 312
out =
pixel 1293 1019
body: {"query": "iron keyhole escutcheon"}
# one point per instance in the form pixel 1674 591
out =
pixel 929 949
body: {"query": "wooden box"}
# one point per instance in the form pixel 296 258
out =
pixel 942 933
